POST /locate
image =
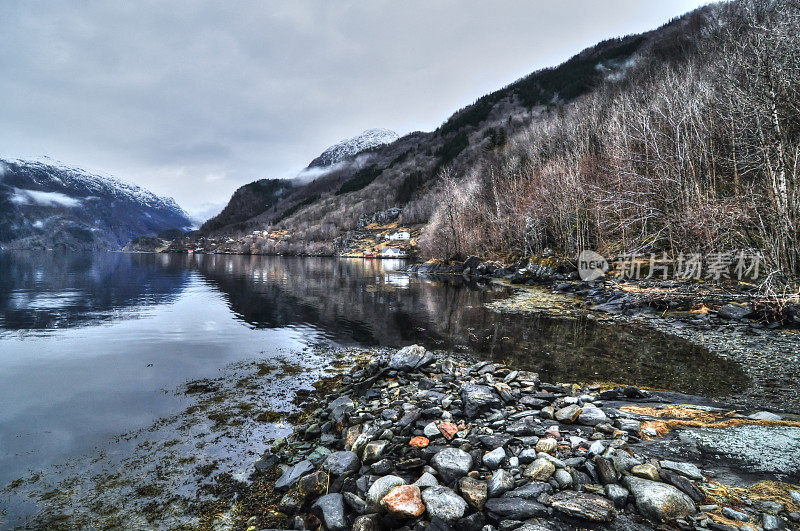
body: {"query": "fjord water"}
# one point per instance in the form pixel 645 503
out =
pixel 90 343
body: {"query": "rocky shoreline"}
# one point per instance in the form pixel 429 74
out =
pixel 732 320
pixel 413 440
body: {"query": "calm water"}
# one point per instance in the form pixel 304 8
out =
pixel 89 343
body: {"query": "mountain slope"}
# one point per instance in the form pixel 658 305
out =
pixel 45 205
pixel 248 201
pixel 408 172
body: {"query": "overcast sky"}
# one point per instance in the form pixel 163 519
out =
pixel 194 98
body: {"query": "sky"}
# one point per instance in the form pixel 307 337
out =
pixel 194 98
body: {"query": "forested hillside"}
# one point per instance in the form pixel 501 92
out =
pixel 685 138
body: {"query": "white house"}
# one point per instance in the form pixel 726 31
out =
pixel 399 235
pixel 393 253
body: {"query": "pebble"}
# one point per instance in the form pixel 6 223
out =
pixel 441 502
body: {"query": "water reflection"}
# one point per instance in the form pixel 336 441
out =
pixel 365 301
pixel 42 291
pixel 346 301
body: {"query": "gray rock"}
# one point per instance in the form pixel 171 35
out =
pixel 293 474
pixel 431 430
pixel 358 505
pixel 563 478
pixel 339 463
pixel 451 464
pixel 381 488
pixel 795 495
pixel 683 483
pixel 501 482
pixel 366 523
pixel 727 512
pixel 530 491
pixel 585 506
pixel 764 415
pixel 568 414
pixel 373 451
pixel 659 501
pixel 330 509
pixel 515 508
pixel 734 311
pixel 478 399
pixel 770 522
pixel 528 455
pixel 629 425
pixel 494 458
pixel 685 469
pixel 426 480
pixel 443 503
pixel 592 416
pixel 410 358
pixel 617 494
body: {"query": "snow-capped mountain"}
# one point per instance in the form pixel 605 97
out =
pixel 353 146
pixel 46 205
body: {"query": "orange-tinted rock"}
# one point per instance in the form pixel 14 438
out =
pixel 448 429
pixel 419 441
pixel 404 501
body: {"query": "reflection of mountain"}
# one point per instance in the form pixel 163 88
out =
pixel 47 290
pixel 357 300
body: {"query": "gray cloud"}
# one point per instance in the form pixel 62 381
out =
pixel 192 98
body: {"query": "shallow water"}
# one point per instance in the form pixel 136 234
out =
pixel 91 344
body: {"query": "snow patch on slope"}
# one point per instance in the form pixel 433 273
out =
pixel 353 146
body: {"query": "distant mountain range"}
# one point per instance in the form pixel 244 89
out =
pixel 46 205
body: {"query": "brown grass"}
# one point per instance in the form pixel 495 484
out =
pixel 673 417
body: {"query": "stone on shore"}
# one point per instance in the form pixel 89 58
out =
pixel 342 462
pixel 293 474
pixel 478 399
pixel 404 501
pixel 451 463
pixel 410 358
pixel 659 501
pixel 568 414
pixel 685 469
pixel 501 482
pixel 494 458
pixel 540 470
pixel 330 509
pixel 474 491
pixel 586 506
pixel 515 508
pixel 443 503
pixel 381 488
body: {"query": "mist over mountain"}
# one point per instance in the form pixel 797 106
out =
pixel 45 205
